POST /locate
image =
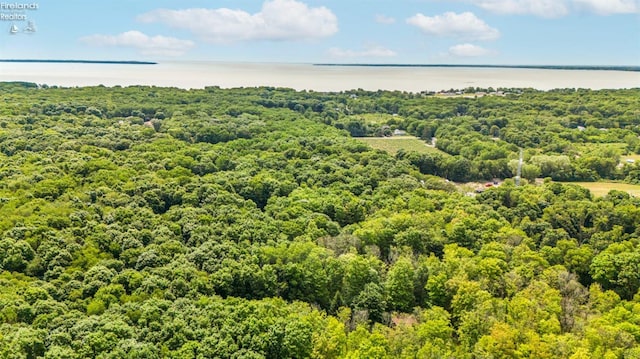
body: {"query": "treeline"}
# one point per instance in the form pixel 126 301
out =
pixel 568 135
pixel 223 228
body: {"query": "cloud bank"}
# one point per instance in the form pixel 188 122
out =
pixel 465 25
pixel 278 20
pixel 146 45
pixel 557 8
pixel 609 7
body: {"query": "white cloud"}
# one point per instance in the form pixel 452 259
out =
pixel 543 8
pixel 465 25
pixel 277 20
pixel 557 8
pixel 382 19
pixel 146 45
pixel 468 50
pixel 368 51
pixel 609 7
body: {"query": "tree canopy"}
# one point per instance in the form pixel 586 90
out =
pixel 147 222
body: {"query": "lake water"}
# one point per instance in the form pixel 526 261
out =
pixel 309 77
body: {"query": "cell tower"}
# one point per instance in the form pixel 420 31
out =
pixel 519 174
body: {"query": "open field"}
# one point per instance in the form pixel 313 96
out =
pixel 586 148
pixel 590 147
pixel 619 148
pixel 394 144
pixel 376 118
pixel 634 157
pixel 600 189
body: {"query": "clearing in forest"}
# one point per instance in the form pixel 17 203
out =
pixel 396 143
pixel 600 189
pixel 634 158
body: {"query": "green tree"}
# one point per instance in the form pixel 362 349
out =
pixel 399 285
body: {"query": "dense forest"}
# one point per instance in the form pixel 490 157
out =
pixel 147 222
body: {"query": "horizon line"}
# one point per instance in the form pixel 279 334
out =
pixel 634 68
pixel 117 62
pixel 631 68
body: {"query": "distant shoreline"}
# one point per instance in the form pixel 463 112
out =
pixel 631 68
pixel 308 77
pixel 533 67
pixel 106 62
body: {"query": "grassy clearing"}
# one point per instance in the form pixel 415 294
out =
pixel 619 148
pixel 377 118
pixel 394 144
pixel 600 189
pixel 624 158
pixel 587 148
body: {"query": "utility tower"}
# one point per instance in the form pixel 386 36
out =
pixel 519 174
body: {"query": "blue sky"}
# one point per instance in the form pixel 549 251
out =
pixel 538 32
